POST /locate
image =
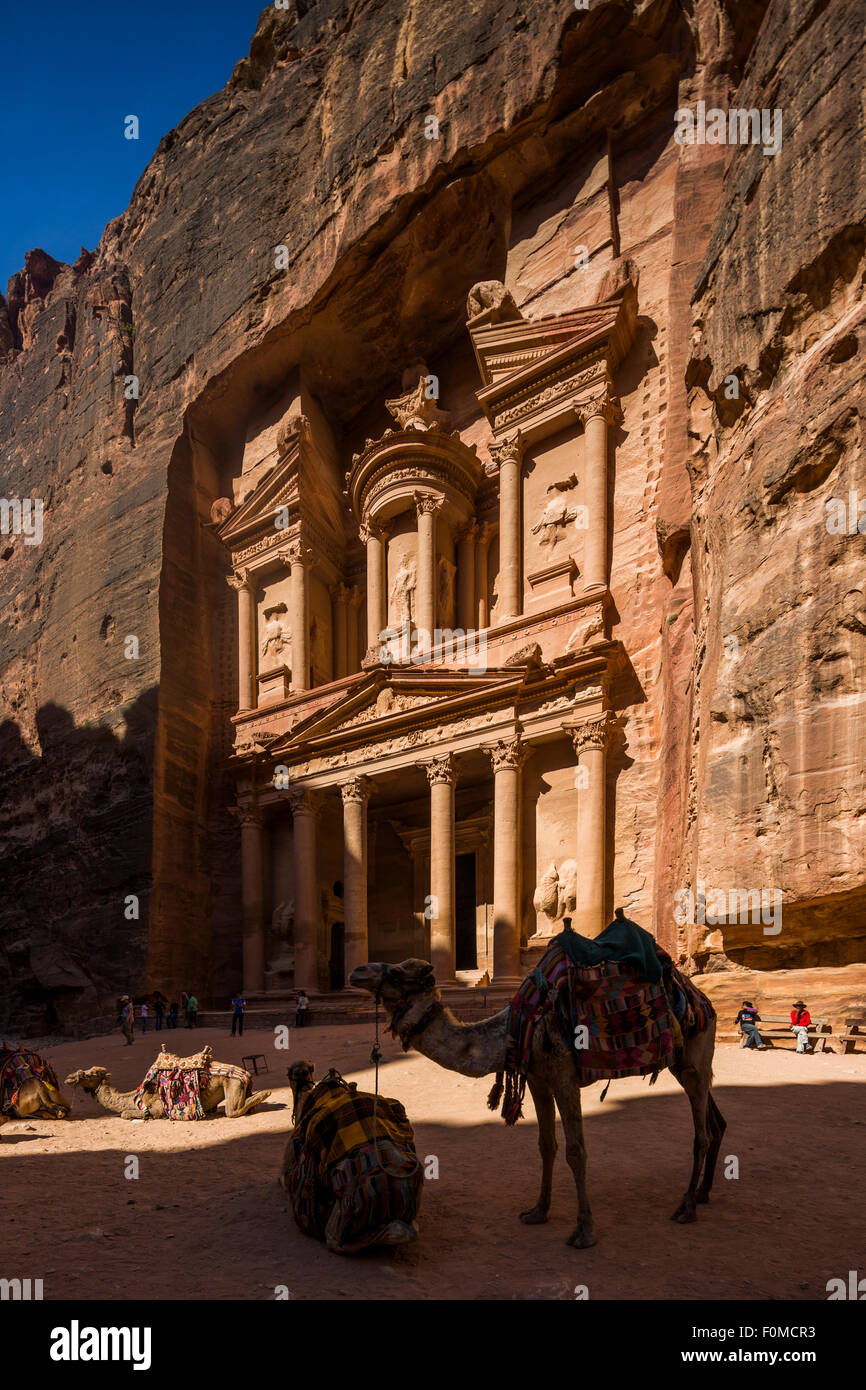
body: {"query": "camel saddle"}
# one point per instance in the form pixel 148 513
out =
pixel 16 1067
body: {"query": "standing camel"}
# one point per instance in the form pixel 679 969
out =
pixel 419 1019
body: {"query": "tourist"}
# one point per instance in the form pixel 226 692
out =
pixel 171 1021
pixel 191 1011
pixel 159 1012
pixel 238 1006
pixel 301 1007
pixel 127 1019
pixel 800 1020
pixel 184 1004
pixel 747 1018
pixel 144 1018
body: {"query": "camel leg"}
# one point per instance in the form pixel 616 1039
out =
pixel 568 1104
pixel 542 1098
pixel 238 1103
pixel 696 1086
pixel 718 1125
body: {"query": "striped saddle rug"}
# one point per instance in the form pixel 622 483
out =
pixel 352 1176
pixel 615 1023
pixel 19 1066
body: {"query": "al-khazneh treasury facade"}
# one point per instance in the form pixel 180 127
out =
pixel 430 718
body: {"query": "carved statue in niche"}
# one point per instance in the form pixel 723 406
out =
pixel 556 894
pixel 445 592
pixel 401 598
pixel 557 515
pixel 278 635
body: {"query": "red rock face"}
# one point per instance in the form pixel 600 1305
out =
pixel 748 770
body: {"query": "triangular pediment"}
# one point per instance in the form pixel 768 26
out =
pixel 384 701
pixel 278 488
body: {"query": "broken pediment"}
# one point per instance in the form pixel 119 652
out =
pixel 533 372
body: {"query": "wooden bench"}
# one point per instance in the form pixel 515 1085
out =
pixel 855 1031
pixel 777 1028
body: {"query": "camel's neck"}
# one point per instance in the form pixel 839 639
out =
pixel 110 1099
pixel 473 1049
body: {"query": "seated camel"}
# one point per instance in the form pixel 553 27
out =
pixel 28 1088
pixel 350 1169
pixel 230 1086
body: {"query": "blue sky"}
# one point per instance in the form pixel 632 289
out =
pixel 71 73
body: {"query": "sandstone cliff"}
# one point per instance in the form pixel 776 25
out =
pixel 111 751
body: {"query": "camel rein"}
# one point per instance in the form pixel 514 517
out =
pixel 376 1055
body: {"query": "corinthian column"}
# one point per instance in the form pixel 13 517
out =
pixel 307 910
pixel 426 509
pixel 506 756
pixel 508 455
pixel 252 897
pixel 245 590
pixel 373 537
pixel 355 794
pixel 596 415
pixel 591 741
pixel 300 557
pixel 441 774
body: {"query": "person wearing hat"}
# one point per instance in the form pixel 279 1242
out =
pixel 747 1018
pixel 800 1020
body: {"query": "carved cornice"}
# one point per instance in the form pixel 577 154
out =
pixel 595 733
pixel 442 769
pixel 507 753
pixel 357 791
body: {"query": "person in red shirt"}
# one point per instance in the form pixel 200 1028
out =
pixel 800 1020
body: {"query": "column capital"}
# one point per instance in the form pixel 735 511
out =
pixel 506 450
pixel 356 597
pixel 297 553
pixel 424 502
pixel 339 592
pixel 603 405
pixel 239 579
pixel 441 769
pixel 246 815
pixel 356 791
pixel 507 753
pixel 370 530
pixel 304 802
pixel 469 532
pixel 594 733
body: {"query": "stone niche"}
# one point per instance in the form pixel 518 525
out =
pixel 554 516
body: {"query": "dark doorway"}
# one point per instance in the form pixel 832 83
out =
pixel 337 962
pixel 464 894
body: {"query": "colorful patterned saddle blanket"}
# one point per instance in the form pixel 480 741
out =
pixel 351 1176
pixel 615 1023
pixel 179 1081
pixel 19 1066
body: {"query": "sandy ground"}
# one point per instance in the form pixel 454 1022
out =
pixel 206 1218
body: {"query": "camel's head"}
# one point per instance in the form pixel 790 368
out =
pixel 301 1081
pixel 395 984
pixel 90 1080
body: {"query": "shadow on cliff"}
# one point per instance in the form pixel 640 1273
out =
pixel 781 1229
pixel 75 840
